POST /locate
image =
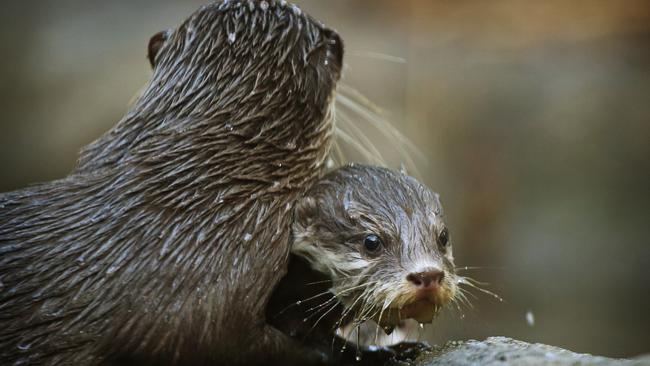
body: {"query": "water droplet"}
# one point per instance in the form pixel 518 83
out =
pixel 298 302
pixel 24 346
pixel 232 37
pixel 530 318
pixel 357 357
pixel 229 127
pixel 38 294
pixel 81 261
pixel 347 200
pixel 248 237
pixel 329 164
pixel 421 325
pixel 191 34
pixel 264 5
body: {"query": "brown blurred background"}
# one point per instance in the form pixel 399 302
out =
pixel 534 118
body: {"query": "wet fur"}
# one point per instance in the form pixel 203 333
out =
pixel 164 243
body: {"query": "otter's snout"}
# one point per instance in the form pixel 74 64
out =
pixel 426 280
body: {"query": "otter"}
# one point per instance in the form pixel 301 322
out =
pixel 368 243
pixel 164 244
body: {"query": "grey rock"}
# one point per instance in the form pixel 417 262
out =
pixel 499 351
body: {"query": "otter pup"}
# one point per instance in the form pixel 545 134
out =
pixel 368 244
pixel 165 242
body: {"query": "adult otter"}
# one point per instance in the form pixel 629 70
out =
pixel 165 242
pixel 368 244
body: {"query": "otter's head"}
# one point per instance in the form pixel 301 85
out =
pixel 246 78
pixel 380 237
pixel 244 53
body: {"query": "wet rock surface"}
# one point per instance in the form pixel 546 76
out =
pixel 503 351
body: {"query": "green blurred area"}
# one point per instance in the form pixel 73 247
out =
pixel 534 118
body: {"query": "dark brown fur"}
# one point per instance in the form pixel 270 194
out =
pixel 165 242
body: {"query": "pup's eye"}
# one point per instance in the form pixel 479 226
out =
pixel 443 239
pixel 372 242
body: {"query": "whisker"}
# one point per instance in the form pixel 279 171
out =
pixel 299 302
pixel 379 56
pixel 321 318
pixel 340 321
pixel 358 103
pixel 354 144
pixel 473 284
pixel 373 154
pixel 474 268
pixel 340 155
pixel 381 313
pixel 334 298
pixel 365 110
pixel 346 277
pixel 473 281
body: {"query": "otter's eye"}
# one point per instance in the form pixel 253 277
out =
pixel 372 242
pixel 443 239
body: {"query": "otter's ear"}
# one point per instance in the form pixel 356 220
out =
pixel 305 211
pixel 155 44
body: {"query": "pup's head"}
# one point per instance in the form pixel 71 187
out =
pixel 381 238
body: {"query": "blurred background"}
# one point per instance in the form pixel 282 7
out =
pixel 533 117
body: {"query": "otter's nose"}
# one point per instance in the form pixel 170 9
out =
pixel 427 279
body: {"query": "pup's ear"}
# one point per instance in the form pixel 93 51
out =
pixel 304 210
pixel 155 44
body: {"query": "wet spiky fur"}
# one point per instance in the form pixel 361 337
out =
pixel 164 243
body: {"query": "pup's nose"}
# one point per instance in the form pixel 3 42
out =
pixel 426 279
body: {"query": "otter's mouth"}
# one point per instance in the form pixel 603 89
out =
pixel 422 311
